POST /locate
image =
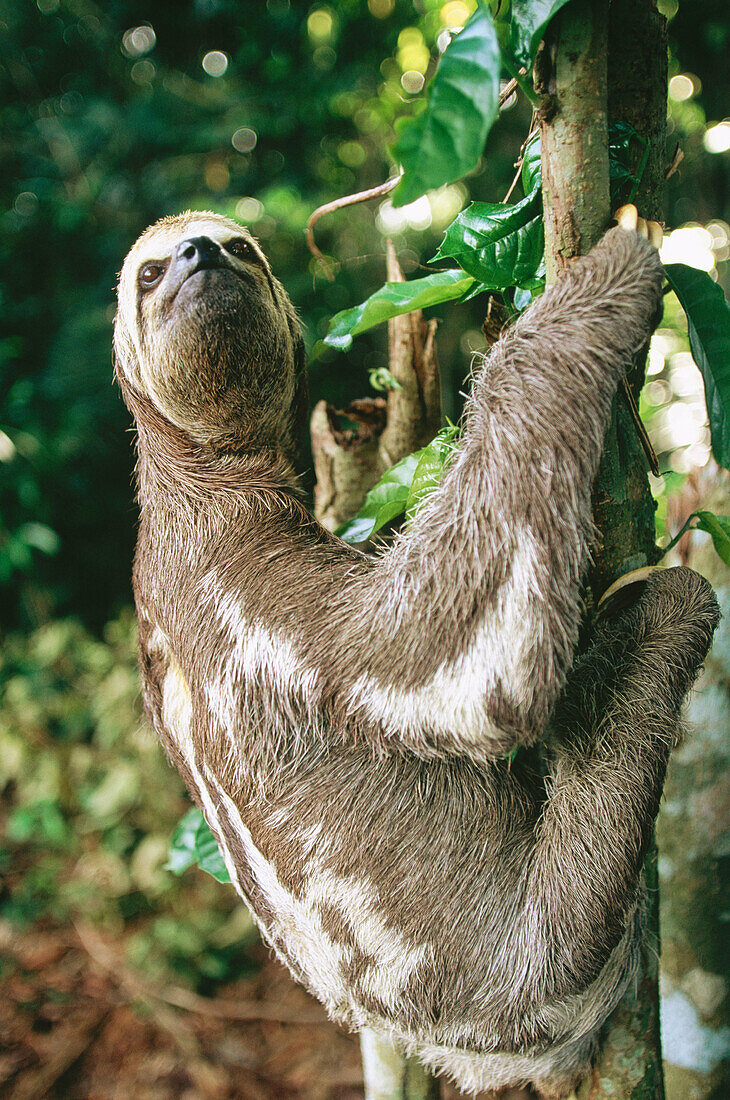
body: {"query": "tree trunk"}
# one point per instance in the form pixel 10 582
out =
pixel 390 1076
pixel 618 67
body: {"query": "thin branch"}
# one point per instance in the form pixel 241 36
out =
pixel 677 158
pixel 339 204
pixel 641 431
pixel 518 163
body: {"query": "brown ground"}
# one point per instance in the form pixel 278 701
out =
pixel 77 1023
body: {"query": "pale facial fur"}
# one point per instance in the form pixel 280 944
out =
pixel 193 361
pixel 343 721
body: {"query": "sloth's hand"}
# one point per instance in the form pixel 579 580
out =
pixel 628 219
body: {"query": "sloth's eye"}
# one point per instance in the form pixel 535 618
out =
pixel 150 274
pixel 243 250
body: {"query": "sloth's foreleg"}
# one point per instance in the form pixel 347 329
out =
pixel 614 727
pixel 471 619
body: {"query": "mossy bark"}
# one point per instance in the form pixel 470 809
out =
pixel 605 64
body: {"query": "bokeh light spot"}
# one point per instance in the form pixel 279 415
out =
pixel 692 245
pixel 138 41
pixel 320 24
pixel 244 139
pixel 456 12
pixel 143 72
pixel 412 81
pixel 381 9
pixel 26 204
pixel 717 138
pixel 249 209
pixel 681 87
pixel 215 63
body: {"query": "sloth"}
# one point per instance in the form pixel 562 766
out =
pixel 346 722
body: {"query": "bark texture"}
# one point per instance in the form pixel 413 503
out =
pixel 637 94
pixel 574 136
pixel 585 84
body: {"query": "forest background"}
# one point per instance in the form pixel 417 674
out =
pixel 112 115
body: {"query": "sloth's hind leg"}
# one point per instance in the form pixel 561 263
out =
pixel 614 726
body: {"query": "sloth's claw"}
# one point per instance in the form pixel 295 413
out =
pixel 628 218
pixel 625 591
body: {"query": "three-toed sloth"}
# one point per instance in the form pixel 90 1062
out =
pixel 344 720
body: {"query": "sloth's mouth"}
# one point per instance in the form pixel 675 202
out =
pixel 208 274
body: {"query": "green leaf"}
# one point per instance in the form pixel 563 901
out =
pixel 500 246
pixel 708 325
pixel 193 843
pixel 529 22
pixel 403 487
pixel 384 502
pixel 432 461
pixel 392 300
pixel 531 166
pixel 446 141
pixel 381 379
pixel 40 537
pixel 182 845
pixel 522 298
pixel 208 854
pixel 719 528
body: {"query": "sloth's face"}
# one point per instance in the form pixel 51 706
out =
pixel 206 333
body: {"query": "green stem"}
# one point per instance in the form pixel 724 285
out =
pixel 683 530
pixel 522 82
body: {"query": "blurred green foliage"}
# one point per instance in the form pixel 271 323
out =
pixel 90 802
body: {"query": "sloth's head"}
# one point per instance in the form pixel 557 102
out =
pixel 207 336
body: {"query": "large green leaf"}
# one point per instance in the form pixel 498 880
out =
pixel 384 502
pixel 192 842
pixel 446 141
pixel 719 528
pixel 529 22
pixel 182 845
pixel 500 245
pixel 708 324
pixel 394 299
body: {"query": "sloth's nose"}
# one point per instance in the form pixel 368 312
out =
pixel 198 252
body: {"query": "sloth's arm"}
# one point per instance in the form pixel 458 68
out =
pixel 615 724
pixel 460 637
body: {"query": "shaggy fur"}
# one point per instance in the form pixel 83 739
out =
pixel 343 721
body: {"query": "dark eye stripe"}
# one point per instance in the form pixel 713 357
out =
pixel 243 250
